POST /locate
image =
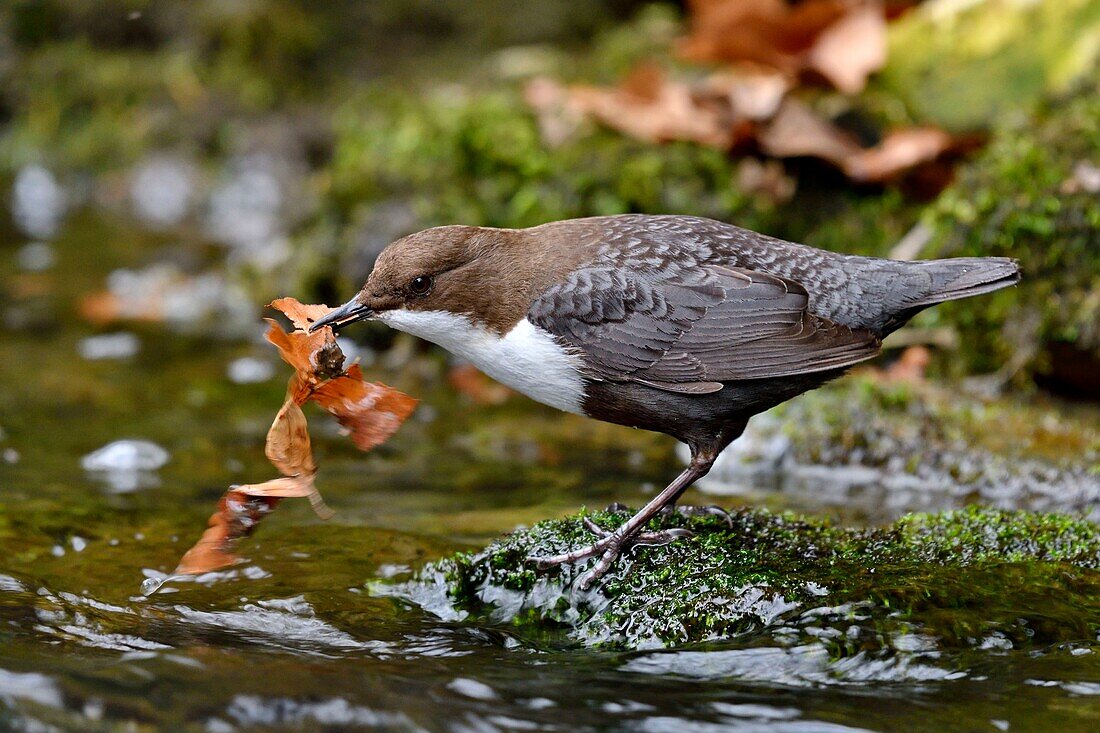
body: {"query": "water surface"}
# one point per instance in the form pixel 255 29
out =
pixel 293 638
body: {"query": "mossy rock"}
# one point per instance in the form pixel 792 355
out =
pixel 869 448
pixel 966 579
pixel 1020 198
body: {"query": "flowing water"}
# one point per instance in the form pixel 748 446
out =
pixel 293 638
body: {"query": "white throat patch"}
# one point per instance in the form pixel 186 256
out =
pixel 527 359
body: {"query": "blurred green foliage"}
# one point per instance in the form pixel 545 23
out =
pixel 419 103
pixel 480 159
pixel 93 84
pixel 964 64
pixel 1018 199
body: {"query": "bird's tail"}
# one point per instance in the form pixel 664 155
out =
pixel 962 277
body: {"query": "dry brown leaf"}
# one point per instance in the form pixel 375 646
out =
pixel 106 307
pixel 843 41
pixel 897 153
pixel 288 446
pixel 302 315
pixel 314 356
pixel 746 107
pixel 236 517
pixel 910 366
pixel 650 107
pixel 468 380
pixel 371 412
pixel 798 131
pixel 766 179
pixel 752 92
pixel 558 120
pixel 770 32
pixel 851 49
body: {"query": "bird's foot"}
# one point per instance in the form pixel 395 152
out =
pixel 712 510
pixel 610 546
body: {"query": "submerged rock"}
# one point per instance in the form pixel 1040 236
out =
pixel 974 578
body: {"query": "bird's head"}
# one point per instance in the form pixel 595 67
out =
pixel 459 269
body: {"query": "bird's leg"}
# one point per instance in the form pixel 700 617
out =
pixel 610 545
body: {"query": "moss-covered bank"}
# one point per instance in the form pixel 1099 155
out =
pixel 973 578
pixel 1030 195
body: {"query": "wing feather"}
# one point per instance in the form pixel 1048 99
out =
pixel 691 334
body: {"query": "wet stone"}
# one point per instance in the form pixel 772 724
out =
pixel 126 465
pixel 250 370
pixel 38 202
pixel 121 345
pixel 879 450
pixel 966 579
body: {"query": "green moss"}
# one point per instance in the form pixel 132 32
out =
pixel 1014 201
pixel 958 577
pixel 976 535
pixel 480 159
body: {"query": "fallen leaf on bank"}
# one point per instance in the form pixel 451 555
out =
pixel 898 152
pixel 557 119
pixel 651 107
pixel 468 380
pixel 752 93
pixel 1085 178
pixel 851 49
pixel 842 41
pixel 737 108
pixel 797 131
pixel 766 179
pixel 910 366
pixel 161 292
pixel 105 307
pixel 770 32
pixel 370 412
pixel 766 47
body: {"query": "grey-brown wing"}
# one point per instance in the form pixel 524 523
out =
pixel 690 332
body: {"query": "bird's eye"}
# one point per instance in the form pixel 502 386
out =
pixel 420 285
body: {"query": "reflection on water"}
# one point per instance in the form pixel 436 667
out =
pixel 161 190
pixel 38 202
pixel 294 638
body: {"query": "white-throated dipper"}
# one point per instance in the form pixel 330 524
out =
pixel 677 324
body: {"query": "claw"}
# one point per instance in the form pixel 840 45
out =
pixel 712 510
pixel 609 547
pixel 664 537
pixel 661 537
pixel 545 563
pixel 594 528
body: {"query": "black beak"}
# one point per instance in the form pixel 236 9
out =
pixel 346 314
